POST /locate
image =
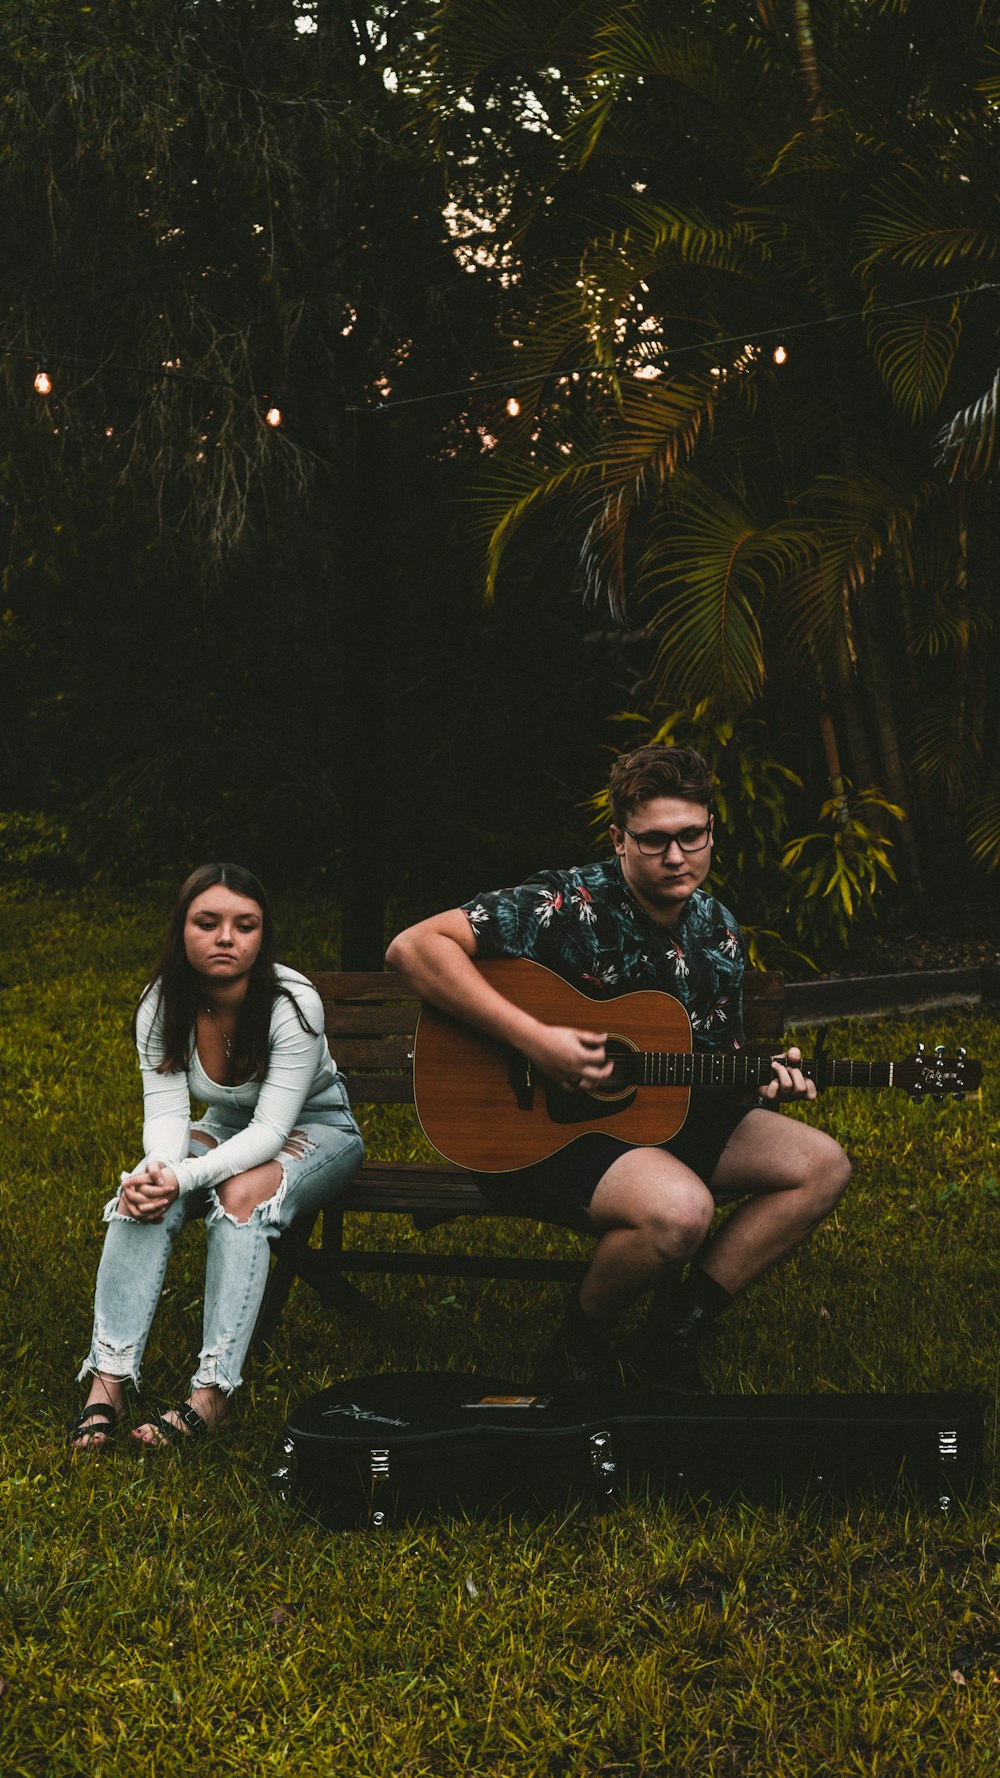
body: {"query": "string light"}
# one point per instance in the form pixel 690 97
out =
pixel 274 417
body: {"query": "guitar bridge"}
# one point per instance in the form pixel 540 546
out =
pixel 519 1075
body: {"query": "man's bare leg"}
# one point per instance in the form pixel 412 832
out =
pixel 652 1213
pixel 655 1214
pixel 795 1176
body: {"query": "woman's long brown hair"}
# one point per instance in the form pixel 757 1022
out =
pixel 179 993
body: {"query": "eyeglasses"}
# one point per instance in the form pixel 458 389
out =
pixel 690 839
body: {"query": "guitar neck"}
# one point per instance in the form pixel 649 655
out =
pixel 705 1069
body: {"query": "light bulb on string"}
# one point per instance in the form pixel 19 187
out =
pixel 511 402
pixel 780 355
pixel 43 382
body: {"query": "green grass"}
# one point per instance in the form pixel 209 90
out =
pixel 161 1616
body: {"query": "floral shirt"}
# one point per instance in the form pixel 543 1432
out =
pixel 586 926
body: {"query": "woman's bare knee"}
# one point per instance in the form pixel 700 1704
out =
pixel 240 1195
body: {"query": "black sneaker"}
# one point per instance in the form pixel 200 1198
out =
pixel 667 1367
pixel 591 1365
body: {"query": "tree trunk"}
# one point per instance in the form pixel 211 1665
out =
pixel 885 719
pixel 361 766
pixel 805 43
pixel 831 753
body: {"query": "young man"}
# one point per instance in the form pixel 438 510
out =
pixel 641 920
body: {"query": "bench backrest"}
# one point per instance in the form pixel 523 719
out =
pixel 370 1016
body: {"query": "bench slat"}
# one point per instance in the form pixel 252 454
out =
pixel 360 985
pixel 373 1052
pixel 396 1019
pixel 763 984
pixel 414 1199
pixel 379 1089
pixel 466 1265
pixel 392 1012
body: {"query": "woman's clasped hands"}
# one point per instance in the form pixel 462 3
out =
pixel 146 1196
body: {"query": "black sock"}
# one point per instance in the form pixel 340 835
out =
pixel 673 1302
pixel 582 1329
pixel 699 1291
pixel 663 1299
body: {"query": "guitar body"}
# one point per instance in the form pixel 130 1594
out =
pixel 485 1107
pixel 476 1099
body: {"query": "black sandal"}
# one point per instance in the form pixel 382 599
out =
pixel 195 1426
pixel 96 1411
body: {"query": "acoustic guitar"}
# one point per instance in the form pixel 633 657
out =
pixel 485 1106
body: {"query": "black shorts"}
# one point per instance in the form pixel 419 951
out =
pixel 560 1188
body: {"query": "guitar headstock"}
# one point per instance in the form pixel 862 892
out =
pixel 937 1074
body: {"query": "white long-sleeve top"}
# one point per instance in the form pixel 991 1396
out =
pixel 299 1071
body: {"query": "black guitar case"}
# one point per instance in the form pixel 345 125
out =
pixel 382 1450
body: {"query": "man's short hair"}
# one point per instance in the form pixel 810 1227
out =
pixel 657 771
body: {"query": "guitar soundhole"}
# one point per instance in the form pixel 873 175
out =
pixel 621 1082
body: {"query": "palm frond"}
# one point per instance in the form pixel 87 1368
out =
pixel 912 223
pixel 688 232
pixel 660 429
pixel 469 41
pixel 711 85
pixel 851 519
pixel 707 565
pixel 657 242
pixel 984 832
pixel 613 459
pixel 512 496
pixel 945 751
pixel 970 443
pixel 989 84
pixel 640 43
pixel 914 351
pixel 829 144
pixel 951 631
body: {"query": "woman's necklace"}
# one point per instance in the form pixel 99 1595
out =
pixel 226 1039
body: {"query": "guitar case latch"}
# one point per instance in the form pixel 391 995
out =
pixel 378 1470
pixel 603 1468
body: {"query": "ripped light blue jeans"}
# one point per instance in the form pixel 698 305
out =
pixel 134 1261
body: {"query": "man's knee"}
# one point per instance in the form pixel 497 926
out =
pixel 826 1176
pixel 677 1225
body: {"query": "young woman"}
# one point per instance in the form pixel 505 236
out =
pixel 221 1023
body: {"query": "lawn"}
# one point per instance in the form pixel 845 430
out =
pixel 168 1614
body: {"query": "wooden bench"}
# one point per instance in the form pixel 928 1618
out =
pixel 370 1019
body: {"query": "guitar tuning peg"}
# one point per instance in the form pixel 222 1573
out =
pixel 962 1052
pixel 939 1097
pixel 920 1049
pixel 939 1049
pixel 958 1095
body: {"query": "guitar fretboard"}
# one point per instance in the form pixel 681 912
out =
pixel 667 1068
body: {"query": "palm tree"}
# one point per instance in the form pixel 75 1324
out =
pixel 776 233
